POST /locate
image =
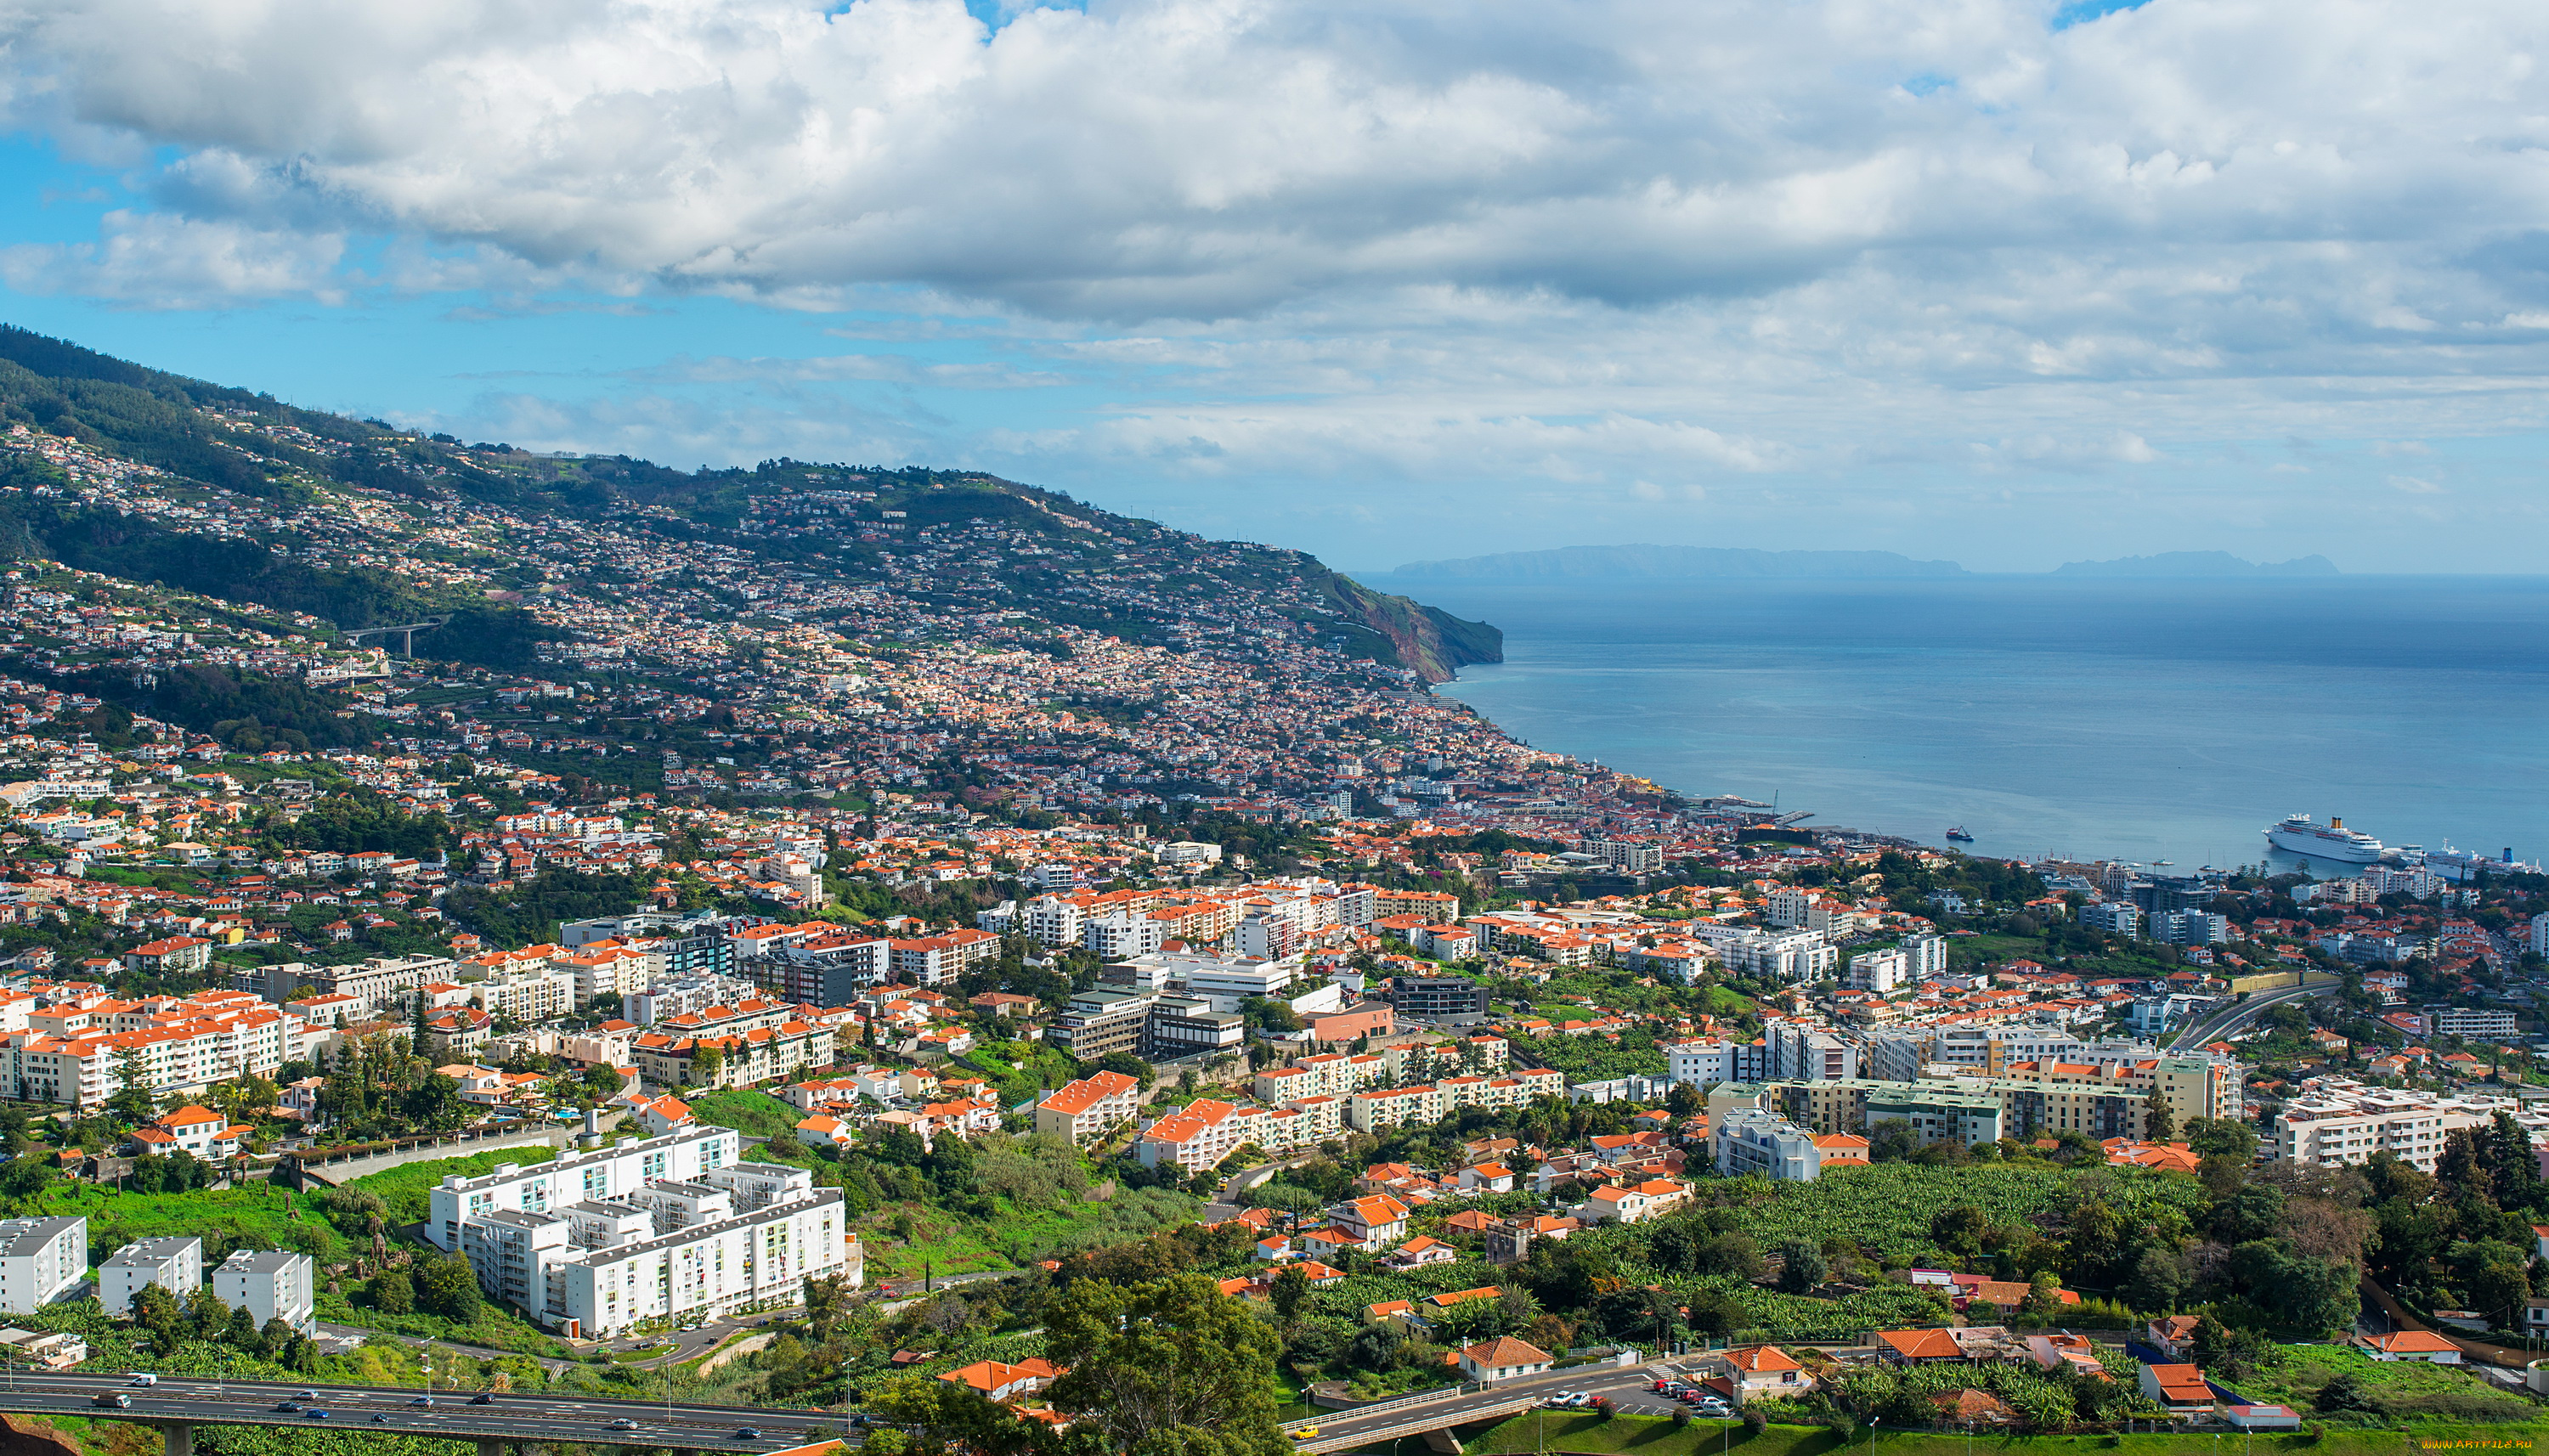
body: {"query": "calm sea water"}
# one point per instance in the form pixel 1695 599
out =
pixel 2137 720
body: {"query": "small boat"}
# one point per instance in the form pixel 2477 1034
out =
pixel 1957 833
pixel 2163 863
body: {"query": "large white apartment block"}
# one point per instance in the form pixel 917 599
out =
pixel 174 1264
pixel 1794 956
pixel 270 1285
pixel 1123 934
pixel 1052 920
pixel 742 1236
pixel 1707 1061
pixel 606 1173
pixel 2337 1120
pixel 1085 1109
pixel 184 1046
pixel 1880 971
pixel 1928 957
pixel 2475 1021
pixel 1376 1109
pixel 1798 909
pixel 1749 1140
pixel 1808 1053
pixel 40 1261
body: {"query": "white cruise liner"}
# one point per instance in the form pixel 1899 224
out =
pixel 2330 841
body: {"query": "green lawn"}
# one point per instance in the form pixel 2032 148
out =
pixel 2402 1388
pixel 1656 1436
pixel 753 1114
pixel 255 1215
pixel 406 1189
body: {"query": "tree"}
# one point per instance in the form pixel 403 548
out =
pixel 707 1065
pixel 602 1081
pixel 129 1103
pixel 1162 1368
pixel 448 1287
pixel 1171 1368
pixel 2158 1282
pixel 1801 1267
pixel 155 1309
pixel 393 1292
pixel 1892 1141
pixel 1290 1290
pixel 2044 1302
pixel 2158 1123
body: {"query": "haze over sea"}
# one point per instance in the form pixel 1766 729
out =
pixel 2135 719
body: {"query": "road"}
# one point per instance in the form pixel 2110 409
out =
pixel 2228 1019
pixel 1630 1387
pixel 507 1417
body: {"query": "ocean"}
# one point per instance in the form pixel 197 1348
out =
pixel 2143 720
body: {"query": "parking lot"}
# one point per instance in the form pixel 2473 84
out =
pixel 1633 1391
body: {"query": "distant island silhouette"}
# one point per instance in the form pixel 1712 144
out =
pixel 1652 562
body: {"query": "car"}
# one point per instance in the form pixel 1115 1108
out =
pixel 113 1400
pixel 483 1398
pixel 1661 1385
pixel 1304 1433
pixel 304 1395
pixel 623 1423
pixel 747 1432
pixel 288 1406
pixel 422 1401
pixel 315 1414
pixel 380 1417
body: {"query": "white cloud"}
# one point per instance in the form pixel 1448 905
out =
pixel 157 262
pixel 1624 250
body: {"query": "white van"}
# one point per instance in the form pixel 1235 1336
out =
pixel 143 1377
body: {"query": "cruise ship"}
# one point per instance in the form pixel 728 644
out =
pixel 2330 841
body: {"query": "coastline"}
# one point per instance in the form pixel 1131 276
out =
pixel 2201 714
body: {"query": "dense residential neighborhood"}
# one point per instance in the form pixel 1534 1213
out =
pixel 892 941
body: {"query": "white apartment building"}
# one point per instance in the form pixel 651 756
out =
pixel 605 1173
pixel 1123 934
pixel 529 993
pixel 1749 1140
pixel 1082 1110
pixel 2475 1021
pixel 1880 971
pixel 270 1285
pixel 692 995
pixel 2540 935
pixel 2337 1120
pixel 1707 1061
pixel 40 1261
pixel 742 1236
pixel 1927 956
pixel 174 1264
pixel 1793 957
pixel 1794 1053
pixel 1053 921
pixel 1797 909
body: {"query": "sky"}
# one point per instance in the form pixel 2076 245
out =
pixel 2005 283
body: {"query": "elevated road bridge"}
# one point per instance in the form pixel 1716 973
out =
pixel 177 1404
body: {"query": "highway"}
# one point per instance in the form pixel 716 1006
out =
pixel 452 1416
pixel 2228 1019
pixel 1346 1430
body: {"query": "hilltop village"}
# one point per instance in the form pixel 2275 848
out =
pixel 445 891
